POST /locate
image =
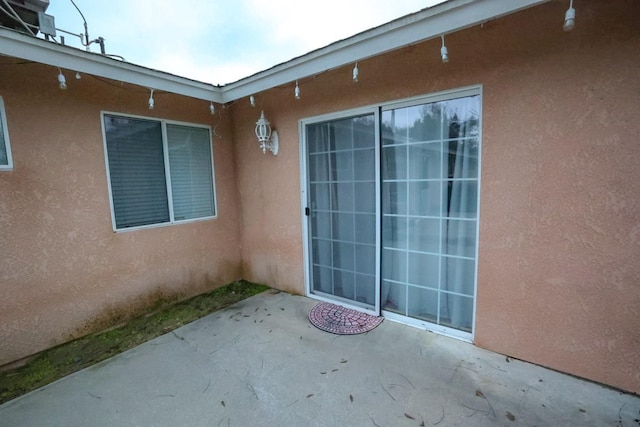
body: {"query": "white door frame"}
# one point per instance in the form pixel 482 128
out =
pixel 304 197
pixel 376 110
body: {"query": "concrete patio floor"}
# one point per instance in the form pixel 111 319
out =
pixel 261 363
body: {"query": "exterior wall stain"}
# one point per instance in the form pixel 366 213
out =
pixel 117 314
pixel 64 272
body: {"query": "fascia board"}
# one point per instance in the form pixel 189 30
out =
pixel 29 48
pixel 454 15
pixel 445 18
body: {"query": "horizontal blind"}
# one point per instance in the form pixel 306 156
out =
pixel 191 172
pixel 136 167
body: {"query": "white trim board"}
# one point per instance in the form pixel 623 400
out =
pixel 445 18
pixel 22 46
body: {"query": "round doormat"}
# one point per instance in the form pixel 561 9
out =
pixel 342 321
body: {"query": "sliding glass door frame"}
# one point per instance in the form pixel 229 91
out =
pixel 377 111
pixel 431 99
pixel 308 211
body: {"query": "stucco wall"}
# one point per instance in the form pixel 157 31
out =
pixel 63 271
pixel 558 275
pixel 559 272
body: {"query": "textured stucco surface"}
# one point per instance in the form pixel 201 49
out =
pixel 558 270
pixel 558 274
pixel 63 271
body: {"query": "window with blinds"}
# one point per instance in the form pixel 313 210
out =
pixel 159 172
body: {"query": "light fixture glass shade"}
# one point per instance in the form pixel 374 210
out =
pixel 62 82
pixel 268 140
pixel 569 19
pixel 444 53
pixel 356 73
pixel 152 102
pixel 263 129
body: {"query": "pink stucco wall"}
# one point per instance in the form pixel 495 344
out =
pixel 63 271
pixel 558 270
pixel 559 248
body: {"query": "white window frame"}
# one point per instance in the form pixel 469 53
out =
pixel 167 167
pixel 7 144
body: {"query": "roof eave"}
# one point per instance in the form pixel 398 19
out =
pixel 445 18
pixel 29 48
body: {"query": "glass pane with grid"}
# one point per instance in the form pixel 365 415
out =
pixel 429 211
pixel 342 197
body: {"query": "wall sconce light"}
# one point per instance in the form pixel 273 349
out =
pixel 569 18
pixel 356 73
pixel 268 140
pixel 212 108
pixel 252 100
pixel 296 91
pixel 444 52
pixel 152 103
pixel 62 81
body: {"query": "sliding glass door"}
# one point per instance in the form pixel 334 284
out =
pixel 429 211
pixel 392 200
pixel 342 205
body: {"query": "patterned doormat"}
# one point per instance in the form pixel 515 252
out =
pixel 342 321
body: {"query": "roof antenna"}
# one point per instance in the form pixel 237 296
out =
pixel 86 28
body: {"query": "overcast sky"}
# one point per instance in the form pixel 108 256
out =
pixel 221 41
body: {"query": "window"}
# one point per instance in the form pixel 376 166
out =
pixel 6 163
pixel 159 172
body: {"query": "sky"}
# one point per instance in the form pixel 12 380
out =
pixel 221 41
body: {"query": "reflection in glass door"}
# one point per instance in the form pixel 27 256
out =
pixel 392 210
pixel 429 211
pixel 342 222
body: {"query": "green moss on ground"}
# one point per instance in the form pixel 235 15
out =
pixel 73 356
